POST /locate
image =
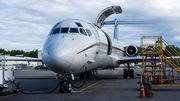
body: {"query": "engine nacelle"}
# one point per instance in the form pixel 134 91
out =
pixel 131 50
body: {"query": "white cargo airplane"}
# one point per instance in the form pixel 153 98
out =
pixel 75 46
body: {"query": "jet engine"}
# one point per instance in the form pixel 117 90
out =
pixel 131 50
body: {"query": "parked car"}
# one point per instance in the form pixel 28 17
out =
pixel 40 67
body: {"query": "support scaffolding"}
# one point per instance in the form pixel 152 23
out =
pixel 159 62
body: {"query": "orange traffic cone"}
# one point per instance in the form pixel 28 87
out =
pixel 114 72
pixel 142 93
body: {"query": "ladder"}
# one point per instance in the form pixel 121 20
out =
pixel 155 58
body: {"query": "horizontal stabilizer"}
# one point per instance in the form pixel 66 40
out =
pixel 121 22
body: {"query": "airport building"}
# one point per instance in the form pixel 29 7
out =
pixel 19 63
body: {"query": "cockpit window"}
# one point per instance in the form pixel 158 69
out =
pixel 74 30
pixel 89 32
pixel 82 31
pixel 64 30
pixel 56 31
pixel 78 24
pixel 56 25
pixel 50 32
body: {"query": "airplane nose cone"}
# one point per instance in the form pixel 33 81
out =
pixel 65 55
pixel 61 57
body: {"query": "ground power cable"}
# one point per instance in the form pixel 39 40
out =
pixel 83 81
pixel 38 92
pixel 46 92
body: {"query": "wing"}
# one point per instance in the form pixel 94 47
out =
pixel 29 60
pixel 123 60
pixel 137 59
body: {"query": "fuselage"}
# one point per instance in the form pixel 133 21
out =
pixel 73 44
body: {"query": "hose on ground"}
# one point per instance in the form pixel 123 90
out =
pixel 83 81
pixel 44 92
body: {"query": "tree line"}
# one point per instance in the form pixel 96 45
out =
pixel 33 53
pixel 175 51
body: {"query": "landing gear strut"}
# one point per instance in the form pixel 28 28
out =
pixel 128 71
pixel 57 77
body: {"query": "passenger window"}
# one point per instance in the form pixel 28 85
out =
pixel 89 32
pixel 56 30
pixel 78 24
pixel 82 31
pixel 64 30
pixel 74 30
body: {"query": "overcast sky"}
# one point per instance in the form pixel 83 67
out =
pixel 24 24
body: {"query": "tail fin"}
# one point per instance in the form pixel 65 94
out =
pixel 121 22
pixel 116 29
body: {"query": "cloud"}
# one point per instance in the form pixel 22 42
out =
pixel 176 38
pixel 28 22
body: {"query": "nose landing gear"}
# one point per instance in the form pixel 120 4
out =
pixel 65 86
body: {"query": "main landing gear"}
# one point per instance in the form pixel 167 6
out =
pixel 128 71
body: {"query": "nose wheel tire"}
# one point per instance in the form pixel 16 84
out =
pixel 62 87
pixel 65 86
pixel 68 87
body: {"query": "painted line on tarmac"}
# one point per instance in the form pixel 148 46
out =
pixel 92 85
pixel 9 95
pixel 95 83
